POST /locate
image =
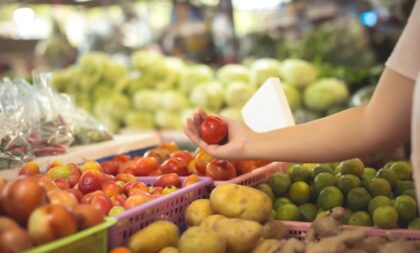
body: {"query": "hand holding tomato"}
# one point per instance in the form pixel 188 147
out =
pixel 213 130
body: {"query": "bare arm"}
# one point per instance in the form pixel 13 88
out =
pixel 382 124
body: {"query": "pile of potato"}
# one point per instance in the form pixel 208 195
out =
pixel 239 219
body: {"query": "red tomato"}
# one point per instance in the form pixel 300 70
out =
pixel 160 154
pixel 110 167
pixel 133 186
pixel 170 146
pixel 175 165
pixel 155 190
pixel 244 166
pixel 220 170
pixel 145 165
pixel 191 179
pixel 167 180
pixel 260 163
pixel 121 158
pixel 156 172
pixel 213 130
pixel 183 154
pixel 127 167
pixel 201 161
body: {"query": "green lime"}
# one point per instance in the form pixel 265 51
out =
pixel 321 168
pixel 299 172
pixel 352 166
pixel 414 224
pixel 389 164
pixel 377 202
pixel 385 217
pixel 403 170
pixel 406 207
pixel 279 183
pixel 360 218
pixel 288 212
pixel 308 211
pixel 368 174
pixel 299 192
pixel 348 182
pixel 402 186
pixel 379 186
pixel 334 165
pixel 322 180
pixel 281 201
pixel 389 175
pixel 411 193
pixel 358 199
pixel 347 213
pixel 330 197
pixel 267 190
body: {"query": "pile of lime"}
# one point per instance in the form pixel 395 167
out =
pixel 384 198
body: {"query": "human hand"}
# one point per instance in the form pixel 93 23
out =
pixel 238 135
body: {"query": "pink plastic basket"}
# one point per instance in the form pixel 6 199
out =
pixel 170 207
pixel 257 176
pixel 298 230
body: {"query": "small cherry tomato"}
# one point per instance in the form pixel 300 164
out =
pixel 213 130
pixel 167 180
pixel 191 179
pixel 220 170
pixel 175 165
pixel 169 189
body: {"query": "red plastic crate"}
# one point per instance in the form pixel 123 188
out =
pixel 170 207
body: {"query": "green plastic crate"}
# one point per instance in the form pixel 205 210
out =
pixel 91 240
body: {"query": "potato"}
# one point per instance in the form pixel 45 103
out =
pixel 237 201
pixel 209 221
pixel 169 250
pixel 275 229
pixel 269 246
pixel 199 239
pixel 154 237
pixel 240 235
pixel 197 211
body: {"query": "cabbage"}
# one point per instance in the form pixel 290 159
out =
pixel 195 75
pixel 167 74
pixel 136 84
pixel 208 96
pixel 146 100
pixel 114 72
pixel 231 73
pixel 114 106
pixel 298 72
pixel 238 93
pixel 263 69
pixel 325 93
pixel 232 113
pixel 144 59
pixel 168 119
pixel 293 96
pixel 139 120
pixel 173 101
pixel 92 66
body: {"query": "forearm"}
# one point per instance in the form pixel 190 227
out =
pixel 383 124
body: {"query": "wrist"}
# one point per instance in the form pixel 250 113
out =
pixel 249 147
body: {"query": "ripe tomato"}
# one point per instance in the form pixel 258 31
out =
pixel 201 161
pixel 213 130
pixel 183 154
pixel 145 165
pixel 121 158
pixel 110 167
pixel 160 154
pixel 220 170
pixel 175 165
pixel 127 167
pixel 167 180
pixel 156 172
pixel 191 179
pixel 244 166
pixel 170 146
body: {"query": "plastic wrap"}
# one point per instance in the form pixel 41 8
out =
pixel 37 121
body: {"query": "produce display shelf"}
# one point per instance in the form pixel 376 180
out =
pixel 170 207
pixel 91 240
pixel 298 230
pixel 257 176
